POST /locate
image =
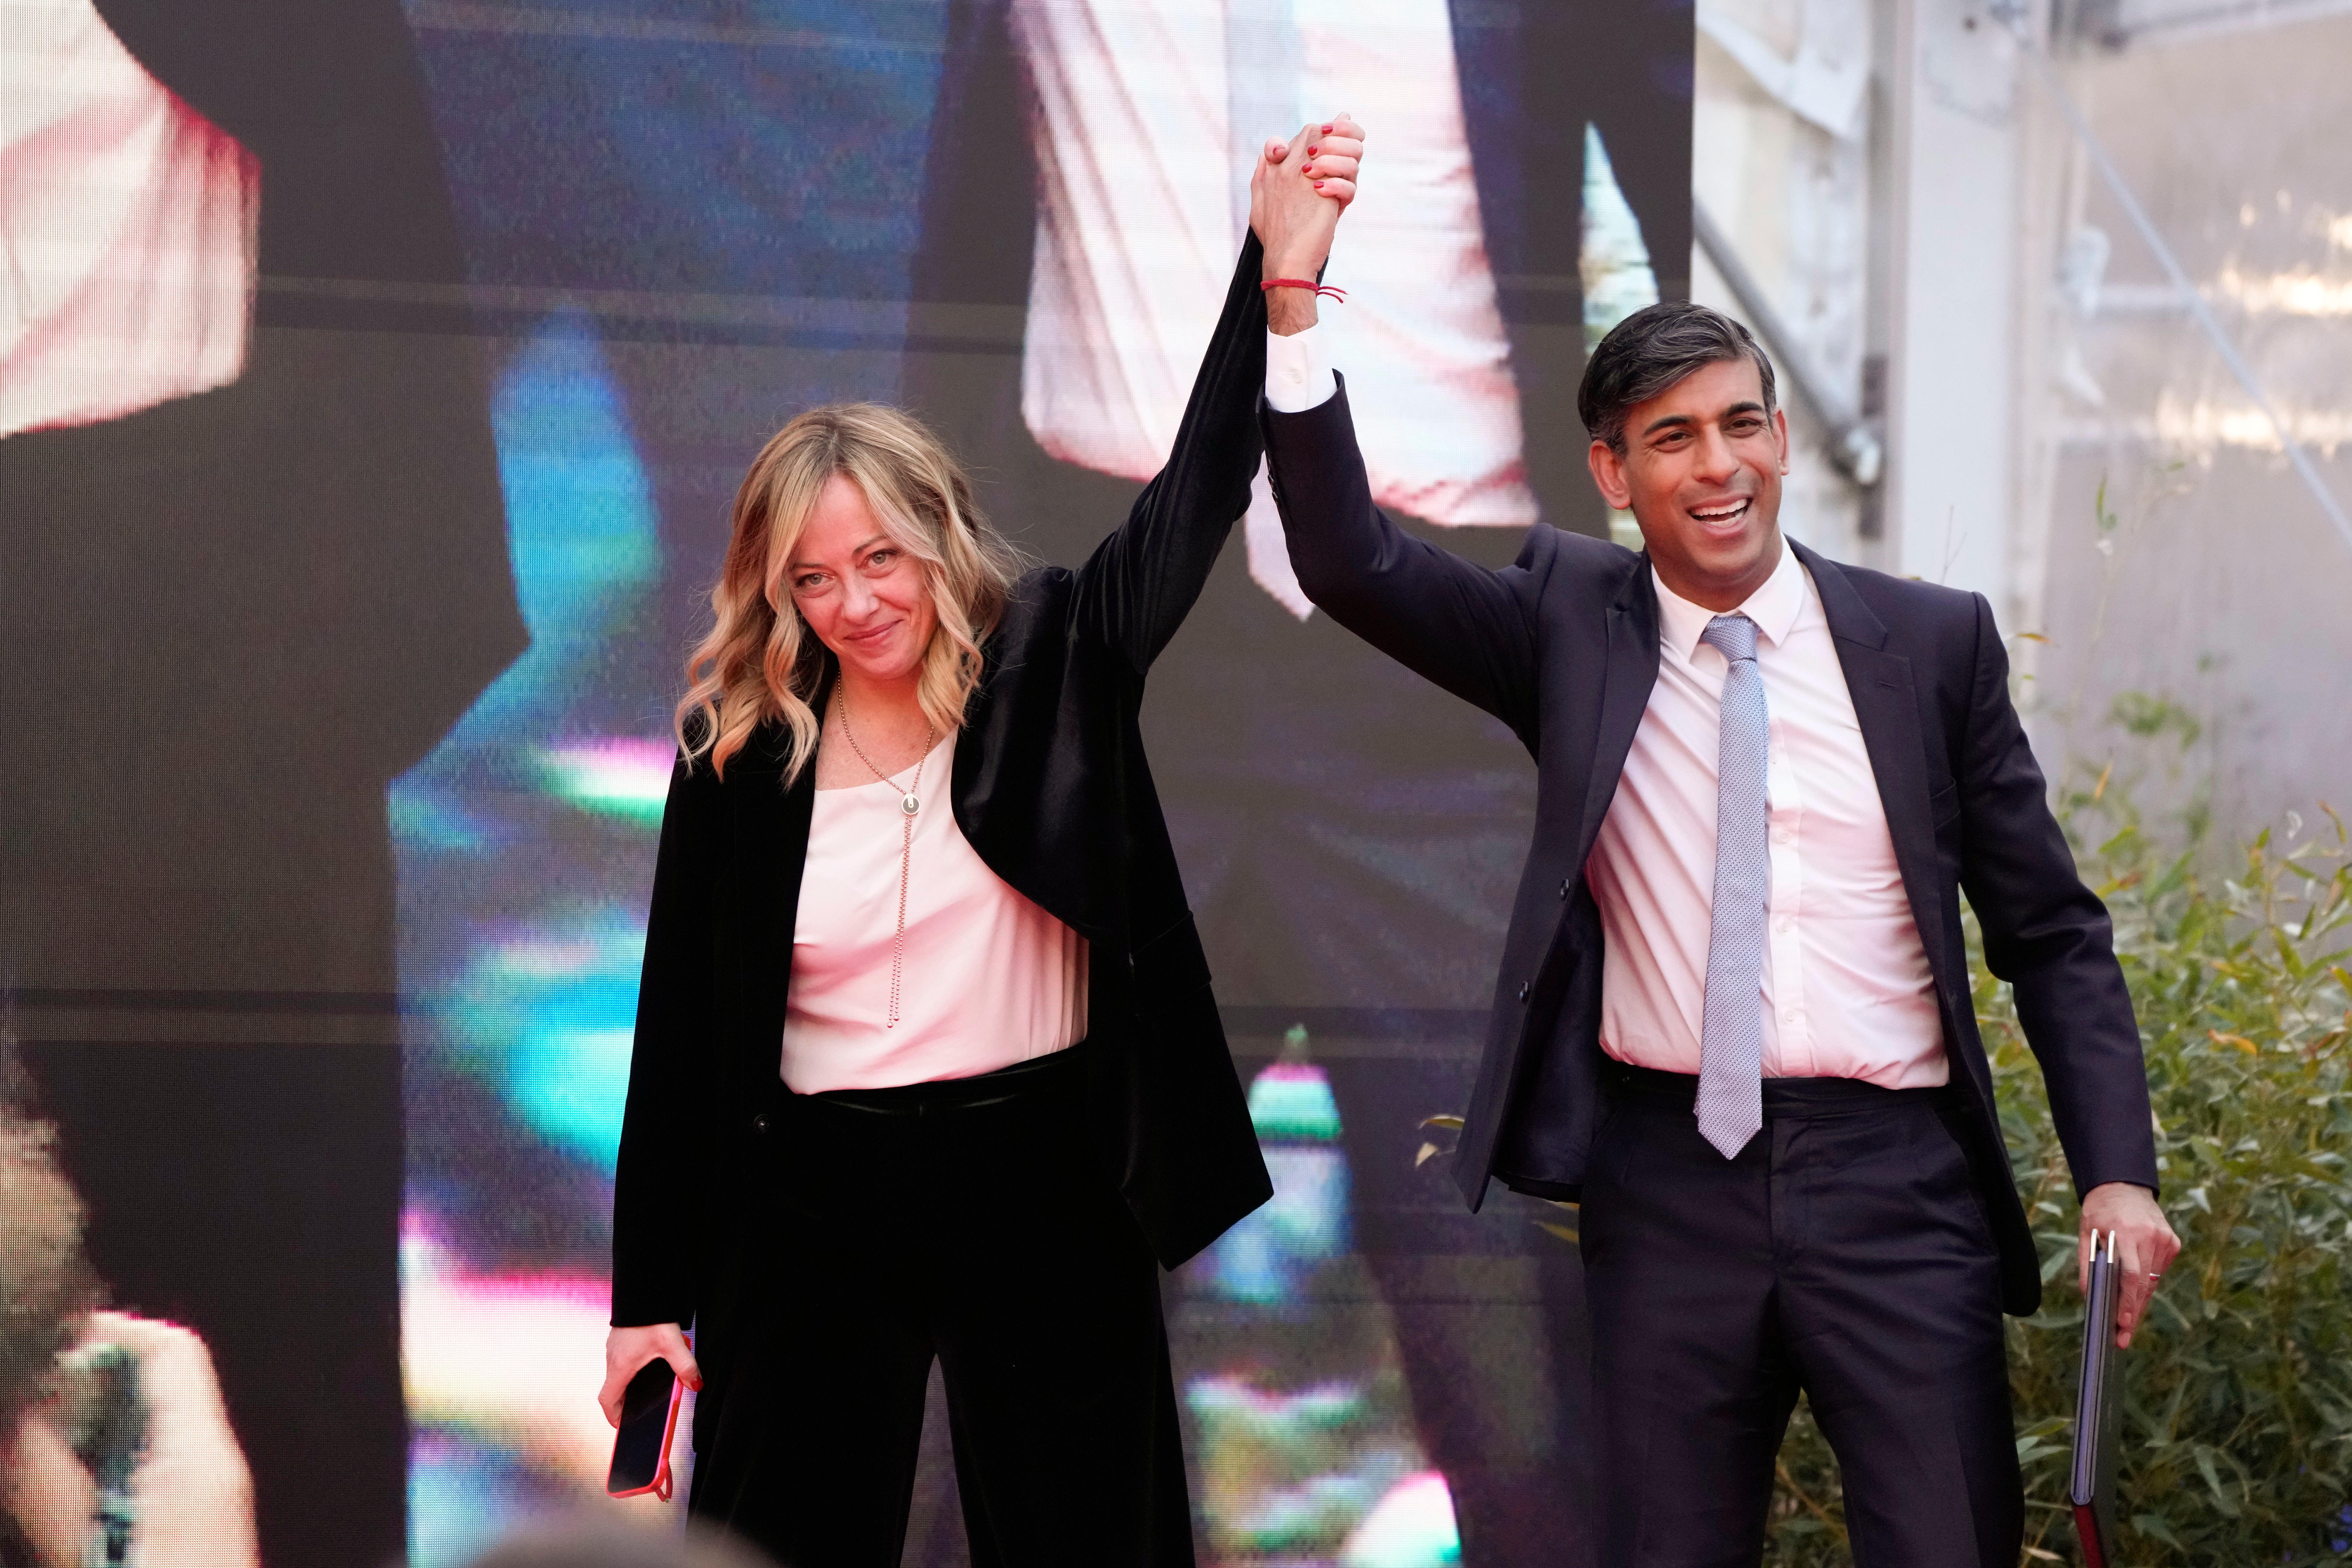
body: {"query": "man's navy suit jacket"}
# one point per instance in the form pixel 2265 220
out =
pixel 1562 646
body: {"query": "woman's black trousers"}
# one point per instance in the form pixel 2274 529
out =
pixel 970 1221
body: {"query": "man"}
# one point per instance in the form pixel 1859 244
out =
pixel 1734 1014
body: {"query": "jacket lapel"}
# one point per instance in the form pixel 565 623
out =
pixel 1886 706
pixel 771 833
pixel 1629 673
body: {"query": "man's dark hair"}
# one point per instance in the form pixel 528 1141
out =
pixel 1649 352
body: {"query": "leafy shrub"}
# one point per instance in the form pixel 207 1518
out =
pixel 2237 1419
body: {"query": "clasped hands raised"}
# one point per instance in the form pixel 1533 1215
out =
pixel 1297 192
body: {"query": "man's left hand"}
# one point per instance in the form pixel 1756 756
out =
pixel 2144 1247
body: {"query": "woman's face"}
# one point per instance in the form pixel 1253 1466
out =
pixel 865 597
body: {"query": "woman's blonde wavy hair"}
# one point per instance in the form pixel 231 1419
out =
pixel 760 660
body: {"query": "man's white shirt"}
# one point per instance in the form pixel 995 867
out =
pixel 127 229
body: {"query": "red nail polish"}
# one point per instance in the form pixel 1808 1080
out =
pixel 1312 151
pixel 1318 184
pixel 1327 131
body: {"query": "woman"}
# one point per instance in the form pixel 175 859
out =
pixel 926 1062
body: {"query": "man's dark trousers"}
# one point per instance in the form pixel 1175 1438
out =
pixel 1843 1253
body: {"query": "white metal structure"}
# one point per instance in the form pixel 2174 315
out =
pixel 2102 252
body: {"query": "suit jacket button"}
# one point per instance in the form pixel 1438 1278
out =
pixel 1523 990
pixel 1563 886
pixel 759 1122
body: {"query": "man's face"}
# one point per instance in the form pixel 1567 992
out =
pixel 1701 474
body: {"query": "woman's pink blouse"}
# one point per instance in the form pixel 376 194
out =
pixel 988 979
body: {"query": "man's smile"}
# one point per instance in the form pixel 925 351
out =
pixel 1716 514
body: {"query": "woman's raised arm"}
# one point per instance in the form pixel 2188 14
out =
pixel 1141 582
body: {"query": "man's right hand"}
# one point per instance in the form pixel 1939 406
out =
pixel 628 1350
pixel 1296 193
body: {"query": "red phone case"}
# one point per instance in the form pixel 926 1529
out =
pixel 660 1484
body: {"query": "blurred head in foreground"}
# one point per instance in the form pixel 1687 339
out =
pixel 601 1544
pixel 115 1443
pixel 46 1283
pixel 47 1290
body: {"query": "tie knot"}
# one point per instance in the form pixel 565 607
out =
pixel 1733 636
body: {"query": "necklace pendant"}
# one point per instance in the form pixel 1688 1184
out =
pixel 910 805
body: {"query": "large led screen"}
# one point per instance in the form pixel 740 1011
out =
pixel 374 381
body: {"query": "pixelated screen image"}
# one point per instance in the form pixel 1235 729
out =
pixel 375 398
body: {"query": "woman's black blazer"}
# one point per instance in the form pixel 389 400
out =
pixel 1052 790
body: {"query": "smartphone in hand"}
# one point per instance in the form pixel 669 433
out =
pixel 648 1422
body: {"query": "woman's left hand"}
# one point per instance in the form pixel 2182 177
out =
pixel 626 1351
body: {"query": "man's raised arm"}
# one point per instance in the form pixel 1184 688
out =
pixel 1469 629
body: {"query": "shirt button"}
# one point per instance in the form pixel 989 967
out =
pixel 759 1122
pixel 1789 1016
pixel 1784 925
pixel 1781 835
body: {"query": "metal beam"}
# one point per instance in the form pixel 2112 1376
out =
pixel 2013 13
pixel 1856 445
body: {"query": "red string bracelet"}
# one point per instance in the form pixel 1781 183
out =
pixel 1318 289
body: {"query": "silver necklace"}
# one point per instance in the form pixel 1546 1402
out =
pixel 909 803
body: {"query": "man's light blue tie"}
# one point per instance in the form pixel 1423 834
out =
pixel 1731 1034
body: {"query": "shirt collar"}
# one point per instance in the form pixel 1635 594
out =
pixel 1773 606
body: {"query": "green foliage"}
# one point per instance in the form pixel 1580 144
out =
pixel 2138 713
pixel 2239 1414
